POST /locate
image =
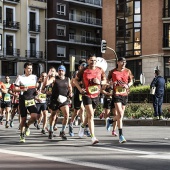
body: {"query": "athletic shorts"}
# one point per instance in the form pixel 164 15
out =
pixel 55 105
pixel 15 105
pixel 77 101
pixel 5 104
pixel 41 107
pixel 120 99
pixel 23 108
pixel 107 103
pixel 94 101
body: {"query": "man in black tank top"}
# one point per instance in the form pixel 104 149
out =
pixel 61 91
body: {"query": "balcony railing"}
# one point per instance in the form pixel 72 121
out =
pixel 84 39
pixel 166 13
pixel 12 1
pixel 11 25
pixel 83 19
pixel 92 2
pixel 11 52
pixel 35 28
pixel 40 4
pixel 33 54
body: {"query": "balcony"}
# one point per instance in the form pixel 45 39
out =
pixel 39 4
pixel 84 39
pixel 11 25
pixel 34 28
pixel 33 54
pixel 88 2
pixel 12 1
pixel 85 20
pixel 11 52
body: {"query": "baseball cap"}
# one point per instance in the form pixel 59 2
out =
pixel 82 61
pixel 121 59
pixel 84 64
pixel 61 67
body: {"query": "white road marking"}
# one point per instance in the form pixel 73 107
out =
pixel 64 160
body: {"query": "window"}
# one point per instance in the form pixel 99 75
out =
pixel 61 30
pixel 9 68
pixel 61 51
pixel 0 14
pixel 61 9
pixel 0 41
pixel 166 33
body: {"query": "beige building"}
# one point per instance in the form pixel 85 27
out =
pixel 22 31
pixel 139 30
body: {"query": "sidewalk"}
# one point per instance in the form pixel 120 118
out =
pixel 131 122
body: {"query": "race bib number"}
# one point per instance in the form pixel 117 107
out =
pixel 120 90
pixel 29 103
pixel 80 97
pixel 42 96
pixel 93 89
pixel 62 99
pixel 7 98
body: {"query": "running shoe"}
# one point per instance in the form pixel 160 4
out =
pixel 76 122
pixel 81 132
pixel 94 140
pixel 114 133
pixel 22 139
pixel 43 131
pixel 156 118
pixel 6 126
pixel 108 125
pixel 50 136
pixel 122 139
pixel 27 131
pixel 71 133
pixel 63 135
pixel 55 128
pixel 87 132
pixel 11 124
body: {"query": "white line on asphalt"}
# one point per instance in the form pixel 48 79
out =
pixel 158 156
pixel 64 160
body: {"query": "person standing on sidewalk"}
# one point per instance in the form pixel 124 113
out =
pixel 92 77
pixel 159 83
pixel 122 80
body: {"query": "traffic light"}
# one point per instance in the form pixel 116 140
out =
pixel 103 46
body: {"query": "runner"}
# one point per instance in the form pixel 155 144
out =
pixel 93 77
pixel 61 90
pixel 6 101
pixel 2 90
pixel 15 104
pixel 122 80
pixel 26 85
pixel 78 104
pixel 41 103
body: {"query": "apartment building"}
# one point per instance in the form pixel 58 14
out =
pixel 74 29
pixel 22 35
pixel 139 30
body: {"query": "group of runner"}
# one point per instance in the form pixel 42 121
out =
pixel 53 92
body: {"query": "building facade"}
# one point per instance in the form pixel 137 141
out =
pixel 139 30
pixel 74 29
pixel 22 35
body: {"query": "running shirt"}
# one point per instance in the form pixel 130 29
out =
pixel 6 96
pixel 60 89
pixel 14 98
pixel 2 86
pixel 92 89
pixel 41 96
pixel 27 81
pixel 120 78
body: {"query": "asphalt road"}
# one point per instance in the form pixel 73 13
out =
pixel 147 147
